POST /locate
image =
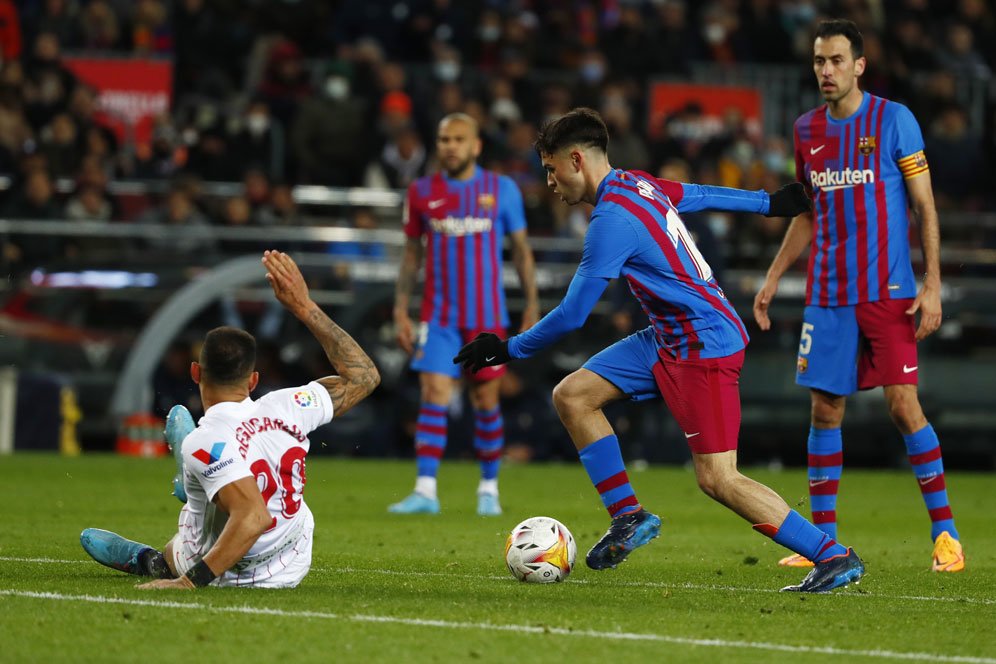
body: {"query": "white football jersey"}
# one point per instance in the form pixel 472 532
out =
pixel 266 439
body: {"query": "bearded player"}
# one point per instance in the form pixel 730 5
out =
pixel 861 159
pixel 458 219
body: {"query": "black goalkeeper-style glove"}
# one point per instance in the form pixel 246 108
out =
pixel 486 350
pixel 789 201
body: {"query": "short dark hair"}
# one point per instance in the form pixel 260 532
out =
pixel 581 126
pixel 843 28
pixel 228 356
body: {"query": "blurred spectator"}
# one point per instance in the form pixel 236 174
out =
pixel 60 145
pixel 179 211
pixel 395 115
pixel 14 135
pixel 285 83
pixel 959 55
pixel 675 44
pixel 208 155
pixel 58 17
pixel 955 157
pixel 100 27
pixel 48 83
pixel 282 210
pixel 401 162
pixel 236 213
pixel 257 191
pixel 88 204
pixel 330 153
pixel 164 157
pixel 260 143
pixel 630 47
pixel 35 200
pixel 151 32
pixel 626 148
pixel 200 51
pixel 724 41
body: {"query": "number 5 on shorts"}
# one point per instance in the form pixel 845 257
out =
pixel 806 341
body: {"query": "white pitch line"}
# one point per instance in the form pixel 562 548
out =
pixel 521 629
pixel 623 584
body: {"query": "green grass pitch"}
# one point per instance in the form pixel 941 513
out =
pixel 389 588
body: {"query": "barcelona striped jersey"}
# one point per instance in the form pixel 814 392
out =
pixel 464 223
pixel 855 169
pixel 636 233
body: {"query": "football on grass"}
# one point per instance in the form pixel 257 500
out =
pixel 540 550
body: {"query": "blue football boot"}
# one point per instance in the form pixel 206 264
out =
pixel 488 505
pixel 415 503
pixel 114 551
pixel 835 572
pixel 627 532
pixel 179 423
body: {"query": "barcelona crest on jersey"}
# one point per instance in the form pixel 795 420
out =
pixel 866 145
pixel 486 201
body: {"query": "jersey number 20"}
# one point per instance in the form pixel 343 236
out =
pixel 291 464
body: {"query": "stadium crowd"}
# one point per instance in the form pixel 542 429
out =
pixel 347 93
pixel 278 93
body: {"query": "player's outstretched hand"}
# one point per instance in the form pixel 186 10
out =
pixel 761 302
pixel 181 583
pixel 789 201
pixel 486 350
pixel 286 280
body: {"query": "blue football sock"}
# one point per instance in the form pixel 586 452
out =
pixel 604 463
pixel 825 463
pixel 924 452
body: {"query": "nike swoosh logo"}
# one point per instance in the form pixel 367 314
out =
pixel 692 435
pixel 907 369
pixel 817 482
pixel 488 359
pixel 813 151
pixel 435 204
pixel 926 480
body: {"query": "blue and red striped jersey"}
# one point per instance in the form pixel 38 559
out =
pixel 636 233
pixel 855 169
pixel 464 222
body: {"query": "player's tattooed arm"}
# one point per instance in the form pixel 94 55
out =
pixel 357 375
pixel 525 266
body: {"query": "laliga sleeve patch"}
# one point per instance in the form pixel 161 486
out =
pixel 306 399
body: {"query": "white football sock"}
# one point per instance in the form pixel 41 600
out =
pixel 488 486
pixel 425 485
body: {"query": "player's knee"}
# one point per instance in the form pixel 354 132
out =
pixel 906 412
pixel 710 486
pixel 568 396
pixel 827 414
pixel 562 398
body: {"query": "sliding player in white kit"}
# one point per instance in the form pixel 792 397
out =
pixel 245 522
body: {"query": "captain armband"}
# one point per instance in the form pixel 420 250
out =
pixel 913 165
